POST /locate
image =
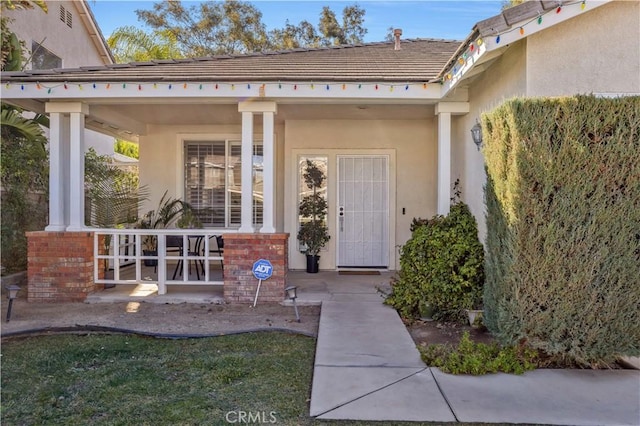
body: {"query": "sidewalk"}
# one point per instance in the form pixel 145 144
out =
pixel 368 368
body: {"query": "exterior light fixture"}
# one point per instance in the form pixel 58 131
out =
pixel 292 294
pixel 13 293
pixel 476 134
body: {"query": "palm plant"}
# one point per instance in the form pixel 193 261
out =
pixel 168 211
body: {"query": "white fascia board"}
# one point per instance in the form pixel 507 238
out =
pixel 486 46
pixel 383 91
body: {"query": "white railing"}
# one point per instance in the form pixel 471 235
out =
pixel 122 252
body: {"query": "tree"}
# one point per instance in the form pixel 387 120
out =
pixel 127 148
pixel 24 176
pixel 350 32
pixel 294 36
pixel 209 28
pixel 12 53
pixel 132 44
pixel 235 27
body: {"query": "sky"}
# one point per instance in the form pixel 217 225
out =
pixel 450 19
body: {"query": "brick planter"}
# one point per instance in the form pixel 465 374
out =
pixel 60 266
pixel 240 253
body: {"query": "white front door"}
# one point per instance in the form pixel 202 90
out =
pixel 363 211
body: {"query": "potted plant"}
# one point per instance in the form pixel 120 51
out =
pixel 166 213
pixel 313 233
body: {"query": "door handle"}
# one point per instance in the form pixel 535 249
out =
pixel 341 218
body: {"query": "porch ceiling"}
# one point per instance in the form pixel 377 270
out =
pixel 132 119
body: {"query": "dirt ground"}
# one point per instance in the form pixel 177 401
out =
pixel 168 319
pixel 431 332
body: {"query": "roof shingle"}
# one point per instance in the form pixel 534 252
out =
pixel 418 60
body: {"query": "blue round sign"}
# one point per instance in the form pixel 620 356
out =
pixel 262 269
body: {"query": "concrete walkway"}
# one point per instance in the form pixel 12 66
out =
pixel 368 368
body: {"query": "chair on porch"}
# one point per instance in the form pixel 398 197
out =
pixel 219 249
pixel 174 244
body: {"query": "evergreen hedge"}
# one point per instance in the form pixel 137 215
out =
pixel 442 265
pixel 563 226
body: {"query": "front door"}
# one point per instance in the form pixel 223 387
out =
pixel 363 211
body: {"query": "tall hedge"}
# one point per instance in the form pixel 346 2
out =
pixel 563 226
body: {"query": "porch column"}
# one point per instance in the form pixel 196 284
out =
pixel 444 110
pixel 268 110
pixel 58 137
pixel 76 172
pixel 444 162
pixel 268 169
pixel 66 162
pixel 246 204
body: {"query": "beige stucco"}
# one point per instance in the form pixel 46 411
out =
pixel 73 45
pixel 596 52
pixel 411 147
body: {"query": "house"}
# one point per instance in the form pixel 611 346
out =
pixel 66 36
pixel 390 123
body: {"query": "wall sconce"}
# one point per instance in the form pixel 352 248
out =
pixel 476 134
pixel 292 294
pixel 13 293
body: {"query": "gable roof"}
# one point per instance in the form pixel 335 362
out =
pixel 90 23
pixel 418 60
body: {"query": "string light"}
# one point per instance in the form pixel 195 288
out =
pixel 559 9
pixel 262 86
pixel 539 19
pixel 184 86
pixel 583 5
pixel 521 31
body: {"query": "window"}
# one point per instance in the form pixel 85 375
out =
pixel 213 181
pixel 42 58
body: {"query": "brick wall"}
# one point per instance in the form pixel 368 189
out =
pixel 60 266
pixel 241 251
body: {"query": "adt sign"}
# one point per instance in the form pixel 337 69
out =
pixel 262 269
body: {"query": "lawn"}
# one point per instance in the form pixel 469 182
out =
pixel 117 379
pixel 129 380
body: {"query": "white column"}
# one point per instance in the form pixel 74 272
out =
pixel 56 173
pixel 268 170
pixel 246 204
pixel 444 162
pixel 76 173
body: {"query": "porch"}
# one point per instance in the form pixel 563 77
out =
pixel 312 289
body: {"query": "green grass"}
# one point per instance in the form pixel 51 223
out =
pixel 101 379
pixel 131 380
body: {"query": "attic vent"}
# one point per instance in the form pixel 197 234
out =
pixel 66 16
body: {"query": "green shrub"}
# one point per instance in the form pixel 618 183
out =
pixel 478 358
pixel 442 265
pixel 563 226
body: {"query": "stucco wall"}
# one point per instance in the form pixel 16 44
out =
pixel 596 52
pixel 413 166
pixel 161 159
pixel 72 45
pixel 504 79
